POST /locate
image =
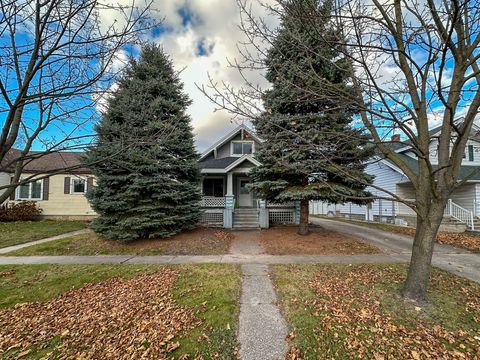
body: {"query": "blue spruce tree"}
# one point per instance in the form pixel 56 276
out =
pixel 144 160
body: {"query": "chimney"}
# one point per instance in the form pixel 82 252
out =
pixel 396 138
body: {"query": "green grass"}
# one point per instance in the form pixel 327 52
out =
pixel 211 290
pixel 453 308
pixel 28 283
pixel 19 232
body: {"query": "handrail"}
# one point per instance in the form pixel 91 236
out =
pixel 459 213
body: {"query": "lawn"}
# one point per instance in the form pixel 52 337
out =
pixel 201 241
pixel 132 311
pixel 343 312
pixel 284 240
pixel 19 232
pixel 467 240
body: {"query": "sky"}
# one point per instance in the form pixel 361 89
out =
pixel 201 36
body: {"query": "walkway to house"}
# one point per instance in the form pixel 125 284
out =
pixel 262 329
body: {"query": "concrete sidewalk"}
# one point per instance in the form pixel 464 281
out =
pixel 203 259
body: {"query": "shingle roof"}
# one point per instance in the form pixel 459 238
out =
pixel 465 170
pixel 217 163
pixel 51 162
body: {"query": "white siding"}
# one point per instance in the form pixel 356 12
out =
pixel 385 178
pixel 464 196
pixel 4 179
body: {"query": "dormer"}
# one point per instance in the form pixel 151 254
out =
pixel 239 142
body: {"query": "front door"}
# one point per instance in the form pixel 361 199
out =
pixel 245 196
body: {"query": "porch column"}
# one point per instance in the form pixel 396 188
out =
pixel 229 183
pixel 228 211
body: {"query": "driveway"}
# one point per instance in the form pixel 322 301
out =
pixel 455 260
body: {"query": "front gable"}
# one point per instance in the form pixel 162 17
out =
pixel 241 141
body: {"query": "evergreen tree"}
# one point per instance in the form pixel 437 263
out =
pixel 311 152
pixel 144 160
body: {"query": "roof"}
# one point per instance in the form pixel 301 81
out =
pixel 226 164
pixel 228 137
pixel 217 163
pixel 51 162
pixel 465 170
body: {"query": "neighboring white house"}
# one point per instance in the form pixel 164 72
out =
pixel 463 206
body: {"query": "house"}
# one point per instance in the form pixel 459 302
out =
pixel 227 200
pixel 59 195
pixel 463 207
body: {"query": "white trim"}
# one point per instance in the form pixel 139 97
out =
pixel 228 137
pixel 392 166
pixel 240 160
pixel 213 171
pixel 72 192
pixel 17 191
pixel 231 166
pixel 241 142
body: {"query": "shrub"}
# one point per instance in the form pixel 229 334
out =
pixel 21 211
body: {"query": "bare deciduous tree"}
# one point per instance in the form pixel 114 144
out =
pixel 57 59
pixel 413 61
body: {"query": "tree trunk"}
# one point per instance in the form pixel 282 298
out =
pixel 303 228
pixel 416 284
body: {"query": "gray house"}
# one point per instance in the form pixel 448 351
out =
pixel 228 200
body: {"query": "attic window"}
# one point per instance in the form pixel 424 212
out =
pixel 242 148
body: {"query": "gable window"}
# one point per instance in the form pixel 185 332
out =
pixel 30 191
pixel 213 187
pixel 242 148
pixel 78 186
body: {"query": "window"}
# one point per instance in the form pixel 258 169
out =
pixel 30 191
pixel 242 147
pixel 78 186
pixel 213 187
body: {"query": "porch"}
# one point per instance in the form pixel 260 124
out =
pixel 229 202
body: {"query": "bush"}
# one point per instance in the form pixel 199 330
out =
pixel 21 211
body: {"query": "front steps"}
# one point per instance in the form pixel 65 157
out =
pixel 245 218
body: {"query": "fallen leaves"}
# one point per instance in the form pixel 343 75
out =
pixel 114 319
pixel 353 321
pixel 7 273
pixel 224 235
pixel 464 240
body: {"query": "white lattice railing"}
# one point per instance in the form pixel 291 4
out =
pixel 281 216
pixel 212 218
pixel 212 201
pixel 459 213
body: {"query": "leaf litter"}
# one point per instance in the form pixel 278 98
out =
pixel 114 319
pixel 353 323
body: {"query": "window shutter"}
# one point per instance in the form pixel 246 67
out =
pixel 470 152
pixel 89 183
pixel 12 195
pixel 46 188
pixel 66 185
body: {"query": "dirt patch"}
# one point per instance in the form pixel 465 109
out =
pixel 284 240
pixel 200 241
pixel 114 319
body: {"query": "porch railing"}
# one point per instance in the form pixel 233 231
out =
pixel 459 213
pixel 213 202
